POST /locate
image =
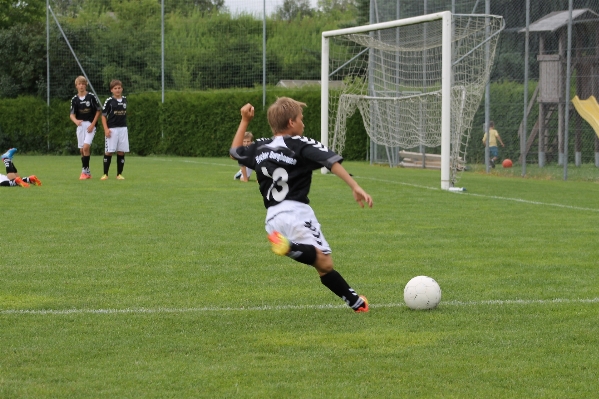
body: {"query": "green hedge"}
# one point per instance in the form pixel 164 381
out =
pixel 203 123
pixel 188 123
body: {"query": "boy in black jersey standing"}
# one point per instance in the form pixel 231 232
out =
pixel 244 173
pixel 284 165
pixel 85 111
pixel 114 120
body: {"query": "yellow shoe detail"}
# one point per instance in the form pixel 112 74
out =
pixel 34 180
pixel 280 243
pixel 21 183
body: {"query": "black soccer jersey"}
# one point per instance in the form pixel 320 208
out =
pixel 115 112
pixel 85 110
pixel 284 166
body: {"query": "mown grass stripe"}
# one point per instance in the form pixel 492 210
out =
pixel 493 302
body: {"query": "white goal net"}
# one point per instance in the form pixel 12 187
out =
pixel 417 82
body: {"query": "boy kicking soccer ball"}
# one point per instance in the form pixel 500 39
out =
pixel 283 166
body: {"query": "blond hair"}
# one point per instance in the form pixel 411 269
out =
pixel 281 111
pixel 80 79
pixel 248 135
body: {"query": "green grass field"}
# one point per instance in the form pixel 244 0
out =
pixel 163 286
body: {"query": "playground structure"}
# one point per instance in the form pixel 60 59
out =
pixel 589 110
pixel 550 92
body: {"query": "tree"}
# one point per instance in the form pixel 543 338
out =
pixel 329 6
pixel 23 52
pixel 292 9
pixel 363 12
pixel 14 12
pixel 70 8
pixel 186 7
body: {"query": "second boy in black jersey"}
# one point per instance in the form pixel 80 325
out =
pixel 114 119
pixel 85 111
pixel 284 166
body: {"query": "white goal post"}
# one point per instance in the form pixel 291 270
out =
pixel 416 81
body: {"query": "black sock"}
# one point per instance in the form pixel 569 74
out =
pixel 107 160
pixel 120 164
pixel 336 283
pixel 26 179
pixel 85 162
pixel 303 253
pixel 10 167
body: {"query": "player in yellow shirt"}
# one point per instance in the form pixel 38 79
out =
pixel 493 138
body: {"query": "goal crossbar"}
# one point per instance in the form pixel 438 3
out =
pixel 403 98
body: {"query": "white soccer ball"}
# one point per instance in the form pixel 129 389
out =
pixel 422 292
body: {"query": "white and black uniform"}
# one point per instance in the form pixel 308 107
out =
pixel 283 166
pixel 85 110
pixel 10 168
pixel 115 112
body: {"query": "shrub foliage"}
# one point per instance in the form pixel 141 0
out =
pixel 187 124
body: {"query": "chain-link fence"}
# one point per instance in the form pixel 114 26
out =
pixel 545 138
pixel 154 45
pixel 554 125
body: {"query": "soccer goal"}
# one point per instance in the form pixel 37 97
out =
pixel 417 82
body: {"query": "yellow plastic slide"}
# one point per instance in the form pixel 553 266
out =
pixel 589 110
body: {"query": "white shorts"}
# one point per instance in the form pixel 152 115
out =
pixel 118 140
pixel 83 137
pixel 3 178
pixel 296 221
pixel 247 170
